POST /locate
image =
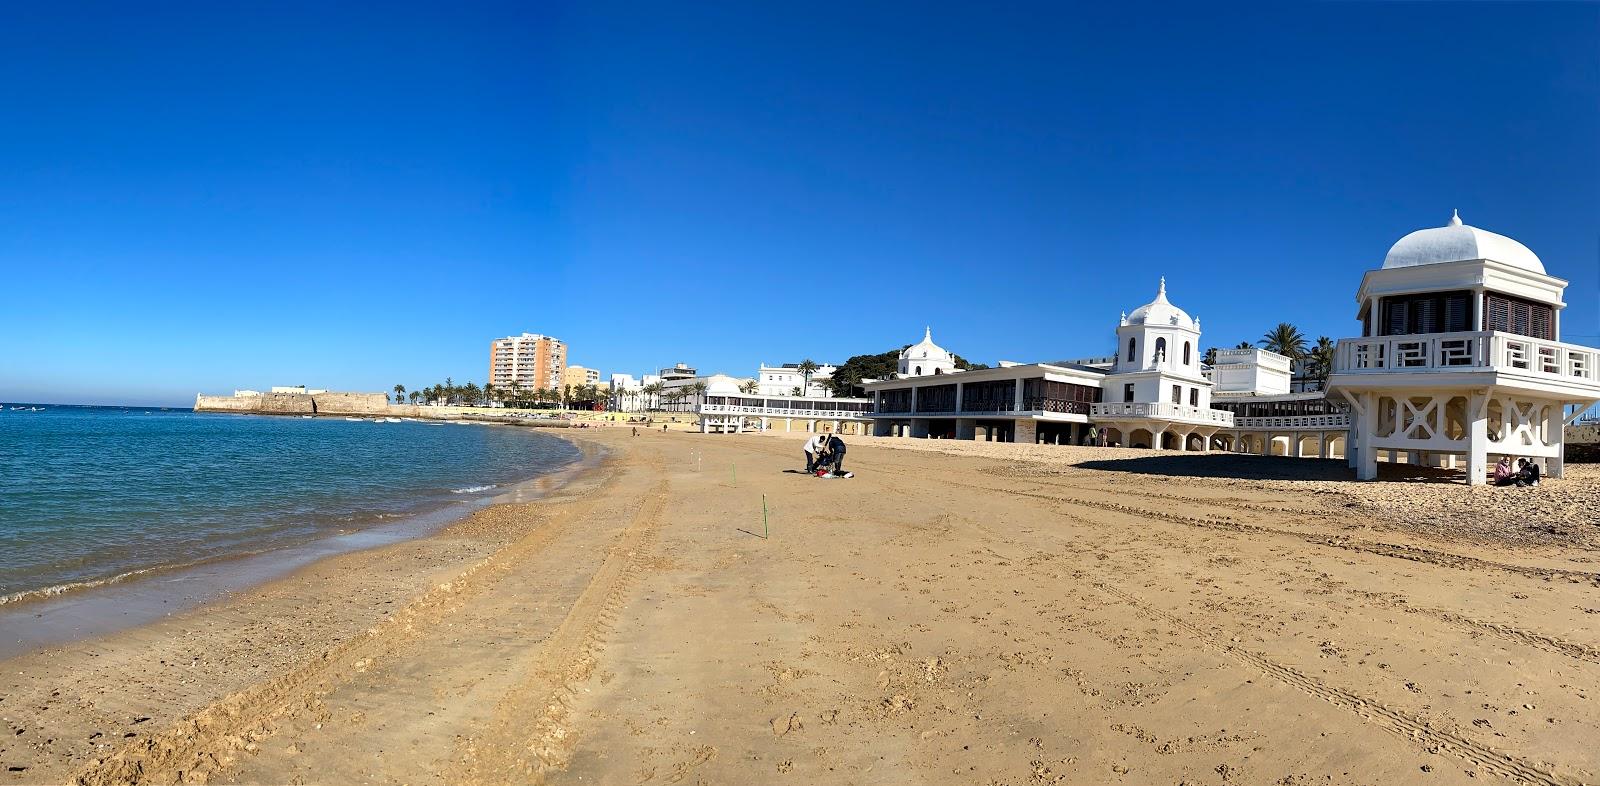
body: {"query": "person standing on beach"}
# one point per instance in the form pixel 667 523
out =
pixel 836 453
pixel 813 449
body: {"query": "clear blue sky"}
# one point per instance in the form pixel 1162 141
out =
pixel 198 197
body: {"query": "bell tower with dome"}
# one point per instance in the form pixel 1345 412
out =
pixel 925 358
pixel 1156 392
pixel 1460 356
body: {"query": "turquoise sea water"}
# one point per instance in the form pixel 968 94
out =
pixel 90 494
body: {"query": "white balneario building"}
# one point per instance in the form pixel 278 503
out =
pixel 1460 356
pixel 1155 392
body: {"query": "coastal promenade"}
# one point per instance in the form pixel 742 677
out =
pixel 957 613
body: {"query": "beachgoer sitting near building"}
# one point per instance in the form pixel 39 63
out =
pixel 1528 475
pixel 1503 474
pixel 813 449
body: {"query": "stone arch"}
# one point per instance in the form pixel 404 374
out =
pixel 1140 438
pixel 1132 343
pixel 1187 350
pixel 1161 349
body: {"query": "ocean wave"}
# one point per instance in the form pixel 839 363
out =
pixel 472 489
pixel 60 589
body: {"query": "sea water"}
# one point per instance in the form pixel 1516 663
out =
pixel 94 495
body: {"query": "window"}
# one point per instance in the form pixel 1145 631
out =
pixel 1161 349
pixel 1186 360
pixel 1194 397
pixel 1515 315
pixel 919 371
pixel 1127 392
pixel 1130 353
pixel 1432 312
pixel 1177 394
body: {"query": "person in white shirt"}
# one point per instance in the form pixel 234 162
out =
pixel 813 450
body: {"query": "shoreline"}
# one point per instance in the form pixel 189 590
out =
pixel 60 615
pixel 1100 618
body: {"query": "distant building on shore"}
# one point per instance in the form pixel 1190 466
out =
pixel 530 361
pixel 578 376
pixel 784 380
pixel 290 389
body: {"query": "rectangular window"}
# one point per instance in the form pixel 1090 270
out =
pixel 1127 392
pixel 1515 315
pixel 1177 394
pixel 1432 312
pixel 1194 397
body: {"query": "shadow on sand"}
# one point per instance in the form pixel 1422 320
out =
pixel 1230 465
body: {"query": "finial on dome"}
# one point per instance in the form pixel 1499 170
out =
pixel 1455 218
pixel 927 333
pixel 1163 289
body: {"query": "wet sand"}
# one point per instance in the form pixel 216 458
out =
pixel 954 614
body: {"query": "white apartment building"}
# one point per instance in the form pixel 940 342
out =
pixel 785 379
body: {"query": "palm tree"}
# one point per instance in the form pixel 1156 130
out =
pixel 1321 360
pixel 749 386
pixel 807 367
pixel 795 391
pixel 1286 340
pixel 471 394
pixel 699 389
pixel 489 392
pixel 1210 358
pixel 652 395
pixel 414 396
pixel 399 394
pixel 1245 345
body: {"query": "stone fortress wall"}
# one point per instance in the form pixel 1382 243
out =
pixel 298 404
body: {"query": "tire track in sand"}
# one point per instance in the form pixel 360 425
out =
pixel 529 734
pixel 1388 718
pixel 211 739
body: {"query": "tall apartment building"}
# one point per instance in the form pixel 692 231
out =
pixel 527 361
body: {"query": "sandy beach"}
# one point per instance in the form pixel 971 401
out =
pixel 956 613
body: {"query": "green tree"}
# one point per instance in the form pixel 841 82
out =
pixel 414 396
pixel 749 386
pixel 807 367
pixel 1286 340
pixel 1245 345
pixel 1210 358
pixel 1321 359
pixel 399 394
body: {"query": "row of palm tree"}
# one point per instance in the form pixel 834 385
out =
pixel 449 393
pixel 1287 340
pixel 658 396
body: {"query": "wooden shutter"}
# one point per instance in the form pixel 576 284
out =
pixel 1496 313
pixel 1541 322
pixel 1394 317
pixel 1457 314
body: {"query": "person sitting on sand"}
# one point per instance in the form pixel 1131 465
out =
pixel 1529 474
pixel 813 449
pixel 1503 475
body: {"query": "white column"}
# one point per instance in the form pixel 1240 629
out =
pixel 1017 400
pixel 788 424
pixel 1322 445
pixel 1555 434
pixel 1477 439
pixel 1183 441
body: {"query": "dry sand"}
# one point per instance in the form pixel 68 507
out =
pixel 956 613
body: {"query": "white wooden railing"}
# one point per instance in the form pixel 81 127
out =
pixel 774 412
pixel 1292 422
pixel 1181 412
pixel 1467 351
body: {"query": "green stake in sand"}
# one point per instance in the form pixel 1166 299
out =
pixel 763 517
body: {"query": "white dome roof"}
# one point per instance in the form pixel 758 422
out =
pixel 925 349
pixel 1161 312
pixel 1456 242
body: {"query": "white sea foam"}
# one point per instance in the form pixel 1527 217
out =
pixel 472 489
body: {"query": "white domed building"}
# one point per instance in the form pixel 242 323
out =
pixel 925 358
pixel 1156 395
pixel 1460 356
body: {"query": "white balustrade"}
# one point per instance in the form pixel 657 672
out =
pixel 1485 350
pixel 1292 422
pixel 775 412
pixel 1180 412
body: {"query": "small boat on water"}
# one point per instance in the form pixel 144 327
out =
pixel 307 417
pixel 354 420
pixel 391 420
